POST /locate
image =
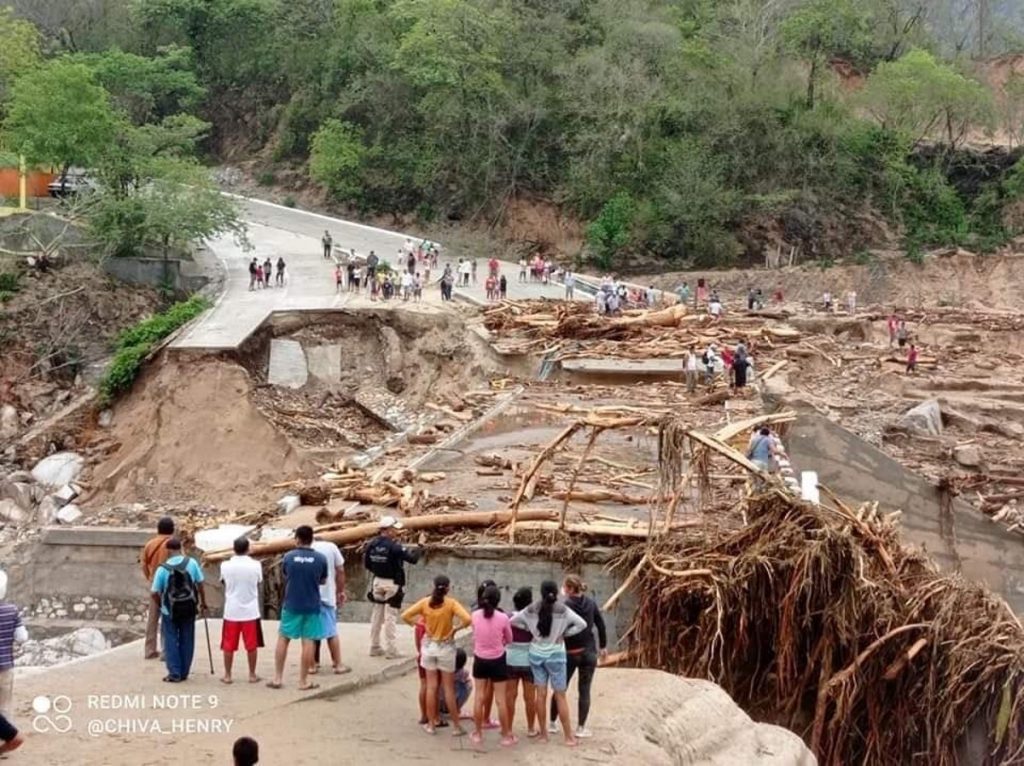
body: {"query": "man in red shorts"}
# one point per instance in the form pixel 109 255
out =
pixel 241 576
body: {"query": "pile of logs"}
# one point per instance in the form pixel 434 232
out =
pixel 575 330
pixel 396 489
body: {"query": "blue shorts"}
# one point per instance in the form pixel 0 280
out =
pixel 328 620
pixel 549 670
pixel 296 625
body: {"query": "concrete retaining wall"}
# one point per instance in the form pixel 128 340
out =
pixel 155 272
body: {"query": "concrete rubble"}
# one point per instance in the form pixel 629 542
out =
pixel 83 642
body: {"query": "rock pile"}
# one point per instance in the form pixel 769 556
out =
pixel 45 495
pixel 46 652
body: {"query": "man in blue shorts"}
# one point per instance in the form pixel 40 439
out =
pixel 305 571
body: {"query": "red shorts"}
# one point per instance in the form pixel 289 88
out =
pixel 250 631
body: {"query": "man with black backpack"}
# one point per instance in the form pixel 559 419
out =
pixel 179 593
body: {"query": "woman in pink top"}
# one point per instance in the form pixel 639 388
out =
pixel 491 632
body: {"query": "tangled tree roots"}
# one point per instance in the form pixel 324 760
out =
pixel 822 620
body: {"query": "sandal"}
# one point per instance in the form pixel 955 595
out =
pixel 274 685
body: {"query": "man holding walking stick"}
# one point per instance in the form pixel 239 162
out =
pixel 179 594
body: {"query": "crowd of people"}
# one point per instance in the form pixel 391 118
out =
pixel 262 274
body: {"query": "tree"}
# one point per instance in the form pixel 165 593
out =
pixel 335 158
pixel 611 230
pixel 147 89
pixel 20 50
pixel 921 96
pixel 821 29
pixel 59 115
pixel 1012 108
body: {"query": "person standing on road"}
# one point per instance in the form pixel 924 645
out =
pixel 252 274
pixel 305 570
pixel 179 593
pixel 241 576
pixel 550 622
pixel 268 270
pixel 502 287
pixel 11 630
pixel 690 370
pixel 580 650
pixel 338 280
pixel 570 284
pixel 154 553
pixel 902 334
pixel 466 271
pixel 472 272
pixel 912 360
pixel 523 265
pixel 442 617
pixel 328 242
pixel 371 266
pixel 683 293
pixel 446 283
pixel 385 559
pixel 280 271
pixel 332 598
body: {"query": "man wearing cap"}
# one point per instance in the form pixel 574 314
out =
pixel 385 558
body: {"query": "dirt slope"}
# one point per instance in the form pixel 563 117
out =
pixel 189 433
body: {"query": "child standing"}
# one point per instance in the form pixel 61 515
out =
pixel 491 633
pixel 517 657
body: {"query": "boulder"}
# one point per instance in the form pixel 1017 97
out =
pixel 58 469
pixel 69 514
pixel 288 503
pixel 925 418
pixel 9 423
pixel 20 492
pixel 968 455
pixel 11 512
pixel 667 720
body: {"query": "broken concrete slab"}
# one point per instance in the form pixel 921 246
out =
pixel 66 494
pixel 324 363
pixel 925 418
pixel 58 469
pixel 69 514
pixel 287 366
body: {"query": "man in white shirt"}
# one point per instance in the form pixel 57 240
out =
pixel 690 368
pixel 241 576
pixel 332 598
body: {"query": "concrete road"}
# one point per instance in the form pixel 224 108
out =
pixel 277 231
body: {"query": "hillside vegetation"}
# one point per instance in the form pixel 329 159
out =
pixel 692 131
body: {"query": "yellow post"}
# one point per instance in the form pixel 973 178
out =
pixel 23 184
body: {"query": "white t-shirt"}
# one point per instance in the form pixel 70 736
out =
pixel 328 591
pixel 241 576
pixel 406 282
pixel 715 308
pixel 466 267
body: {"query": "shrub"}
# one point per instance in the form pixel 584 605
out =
pixel 288 201
pixel 134 344
pixel 266 178
pixel 9 281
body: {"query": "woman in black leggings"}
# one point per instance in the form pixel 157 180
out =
pixel 580 649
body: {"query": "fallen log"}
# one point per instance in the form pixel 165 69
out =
pixel 601 496
pixel 362 532
pixel 422 438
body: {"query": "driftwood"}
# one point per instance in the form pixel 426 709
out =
pixel 422 438
pixel 362 532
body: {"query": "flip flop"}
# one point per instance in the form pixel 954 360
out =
pixel 255 680
pixel 272 685
pixel 342 670
pixel 226 681
pixel 308 687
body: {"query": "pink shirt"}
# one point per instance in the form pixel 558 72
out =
pixel 490 635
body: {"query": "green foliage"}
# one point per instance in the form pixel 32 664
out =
pixel 266 178
pixel 289 201
pixel 134 345
pixel 59 115
pixel 9 281
pixel 159 326
pixel 612 229
pixel 20 50
pixel 336 155
pixel 922 97
pixel 147 89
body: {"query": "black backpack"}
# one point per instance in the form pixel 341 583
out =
pixel 181 597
